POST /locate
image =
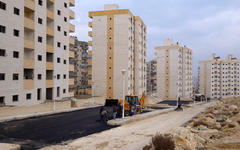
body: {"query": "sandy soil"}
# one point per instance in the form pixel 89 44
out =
pixel 134 135
pixel 48 107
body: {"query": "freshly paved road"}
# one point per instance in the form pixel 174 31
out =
pixel 34 133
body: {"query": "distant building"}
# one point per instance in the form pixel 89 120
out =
pixel 118 42
pixel 219 78
pixel 34 50
pixel 80 62
pixel 89 76
pixel 174 71
pixel 152 76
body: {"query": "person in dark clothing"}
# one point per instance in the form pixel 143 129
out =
pixel 115 110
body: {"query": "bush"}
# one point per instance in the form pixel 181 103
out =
pixel 163 142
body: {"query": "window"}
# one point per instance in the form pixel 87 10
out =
pixel 40 20
pixel 65 5
pixel 39 76
pixel 15 54
pixel 65 33
pixel 2 5
pixel 58 44
pixel 40 2
pixel 39 57
pixel 15 98
pixel 59 12
pixel 2 52
pixel 38 94
pixel 16 32
pixel 64 47
pixel 64 76
pixel 64 91
pixel 58 91
pixel 16 11
pixel 2 76
pixel 40 39
pixel 58 76
pixel 58 60
pixel 64 61
pixel 2 100
pixel 2 29
pixel 59 28
pixel 15 76
pixel 65 19
pixel 28 96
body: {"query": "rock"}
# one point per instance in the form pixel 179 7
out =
pixel 234 109
pixel 207 134
pixel 5 146
pixel 228 121
pixel 218 125
pixel 232 125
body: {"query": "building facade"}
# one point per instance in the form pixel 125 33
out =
pixel 34 50
pixel 174 71
pixel 219 78
pixel 118 42
pixel 152 76
pixel 89 88
pixel 80 62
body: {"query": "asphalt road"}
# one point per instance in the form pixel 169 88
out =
pixel 34 133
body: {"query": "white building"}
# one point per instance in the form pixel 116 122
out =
pixel 34 52
pixel 174 71
pixel 219 78
pixel 118 42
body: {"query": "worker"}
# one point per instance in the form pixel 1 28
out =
pixel 103 114
pixel 115 110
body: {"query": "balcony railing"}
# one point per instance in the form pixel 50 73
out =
pixel 49 66
pixel 49 83
pixel 50 14
pixel 29 63
pixel 29 4
pixel 29 44
pixel 72 28
pixel 71 14
pixel 28 23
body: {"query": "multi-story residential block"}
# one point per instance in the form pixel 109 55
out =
pixel 219 78
pixel 174 71
pixel 118 42
pixel 80 62
pixel 34 53
pixel 89 88
pixel 152 76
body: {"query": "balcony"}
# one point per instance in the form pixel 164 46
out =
pixel 89 82
pixel 52 1
pixel 29 44
pixel 89 43
pixel 71 54
pixel 29 4
pixel 49 66
pixel 90 71
pixel 89 62
pixel 28 84
pixel 72 3
pixel 90 33
pixel 50 31
pixel 90 24
pixel 71 14
pixel 71 81
pixel 49 83
pixel 50 49
pixel 71 67
pixel 71 41
pixel 71 27
pixel 50 14
pixel 29 63
pixel 28 23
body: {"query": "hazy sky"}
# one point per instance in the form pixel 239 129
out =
pixel 205 26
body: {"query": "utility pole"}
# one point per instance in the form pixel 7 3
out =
pixel 123 91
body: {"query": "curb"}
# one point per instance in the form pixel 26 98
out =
pixel 21 117
pixel 6 146
pixel 129 119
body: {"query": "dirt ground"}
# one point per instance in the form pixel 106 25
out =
pixel 217 128
pixel 48 107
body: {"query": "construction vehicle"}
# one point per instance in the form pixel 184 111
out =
pixel 132 105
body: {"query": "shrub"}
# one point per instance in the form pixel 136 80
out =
pixel 163 142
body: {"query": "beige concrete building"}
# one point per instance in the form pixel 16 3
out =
pixel 34 52
pixel 152 76
pixel 118 42
pixel 174 71
pixel 89 88
pixel 219 78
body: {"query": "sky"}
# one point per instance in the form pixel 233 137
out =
pixel 205 26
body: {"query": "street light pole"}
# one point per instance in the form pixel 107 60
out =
pixel 123 91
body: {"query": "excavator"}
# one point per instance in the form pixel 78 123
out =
pixel 132 104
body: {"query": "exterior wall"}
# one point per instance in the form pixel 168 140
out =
pixel 152 76
pixel 219 78
pixel 30 49
pixel 174 71
pixel 113 50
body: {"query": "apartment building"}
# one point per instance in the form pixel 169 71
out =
pixel 174 71
pixel 34 50
pixel 219 78
pixel 152 76
pixel 89 76
pixel 80 62
pixel 118 42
